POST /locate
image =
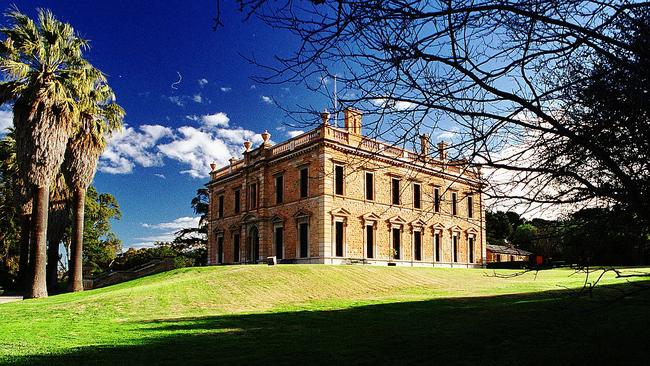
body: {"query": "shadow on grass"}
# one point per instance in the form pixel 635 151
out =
pixel 540 328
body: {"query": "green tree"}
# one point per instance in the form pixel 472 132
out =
pixel 99 116
pixel 498 227
pixel 101 245
pixel 42 63
pixel 525 236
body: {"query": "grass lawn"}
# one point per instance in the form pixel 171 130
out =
pixel 320 314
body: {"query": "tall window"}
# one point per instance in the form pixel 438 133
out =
pixel 339 179
pixel 279 242
pixel 395 191
pixel 279 189
pixel 417 196
pixel 220 249
pixel 454 240
pixel 417 245
pixel 454 207
pixel 252 196
pixel 396 243
pixel 370 186
pixel 338 229
pixel 370 241
pixel 235 248
pixel 471 249
pixel 470 206
pixel 304 182
pixel 237 201
pixel 303 232
pixel 220 206
pixel 436 246
pixel 436 199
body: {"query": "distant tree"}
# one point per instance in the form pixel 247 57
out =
pixel 525 236
pixel 498 227
pixel 101 245
pixel 194 239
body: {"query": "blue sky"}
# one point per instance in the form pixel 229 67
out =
pixel 175 129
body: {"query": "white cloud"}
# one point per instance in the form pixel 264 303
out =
pixel 294 133
pixel 176 100
pixel 203 82
pixel 164 231
pixel 393 104
pixel 129 147
pixel 225 89
pixel 267 100
pixel 6 120
pixel 253 87
pixel 161 176
pixel 197 98
pixel 193 146
pixel 219 119
pixel 177 224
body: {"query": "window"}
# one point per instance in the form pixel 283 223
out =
pixel 252 197
pixel 220 215
pixel 338 229
pixel 417 245
pixel 235 248
pixel 339 180
pixel 220 249
pixel 303 232
pixel 279 242
pixel 396 243
pixel 417 195
pixel 370 186
pixel 304 182
pixel 471 249
pixel 279 189
pixel 454 207
pixel 454 240
pixel 395 191
pixel 436 199
pixel 237 201
pixel 436 246
pixel 370 241
pixel 470 206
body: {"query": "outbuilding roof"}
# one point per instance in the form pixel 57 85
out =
pixel 502 249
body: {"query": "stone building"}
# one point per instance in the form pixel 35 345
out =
pixel 332 195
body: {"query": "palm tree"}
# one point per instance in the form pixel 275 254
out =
pixel 58 222
pixel 99 117
pixel 41 63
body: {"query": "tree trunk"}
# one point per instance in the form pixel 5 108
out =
pixel 23 263
pixel 38 286
pixel 75 278
pixel 52 264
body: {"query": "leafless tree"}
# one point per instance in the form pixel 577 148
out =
pixel 500 76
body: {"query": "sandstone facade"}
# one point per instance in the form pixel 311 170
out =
pixel 333 196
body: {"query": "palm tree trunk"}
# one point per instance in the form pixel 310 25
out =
pixel 38 287
pixel 23 263
pixel 52 264
pixel 75 279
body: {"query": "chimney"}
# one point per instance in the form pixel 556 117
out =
pixel 424 144
pixel 352 120
pixel 442 150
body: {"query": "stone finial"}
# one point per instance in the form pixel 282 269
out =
pixel 213 167
pixel 247 145
pixel 266 136
pixel 325 116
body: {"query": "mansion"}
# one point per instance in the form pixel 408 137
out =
pixel 332 195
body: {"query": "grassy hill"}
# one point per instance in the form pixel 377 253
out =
pixel 332 314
